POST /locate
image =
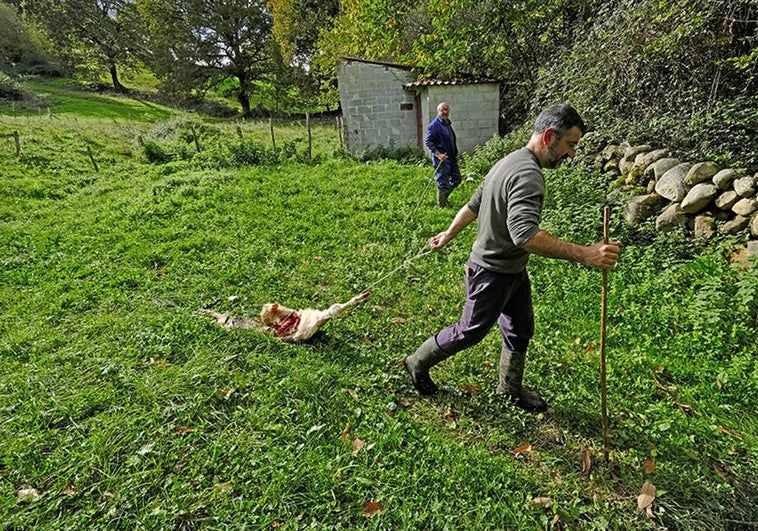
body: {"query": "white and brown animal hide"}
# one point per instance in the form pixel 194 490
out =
pixel 285 323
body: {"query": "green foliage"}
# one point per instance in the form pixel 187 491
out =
pixel 12 35
pixel 664 73
pixel 497 147
pixel 91 37
pixel 203 145
pixel 9 88
pixel 196 45
pixel 404 154
pixel 20 49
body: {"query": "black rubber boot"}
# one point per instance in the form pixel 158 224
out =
pixel 419 363
pixel 442 195
pixel 509 384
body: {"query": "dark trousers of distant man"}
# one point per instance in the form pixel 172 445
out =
pixel 448 177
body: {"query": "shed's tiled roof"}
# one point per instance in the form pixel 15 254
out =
pixel 454 81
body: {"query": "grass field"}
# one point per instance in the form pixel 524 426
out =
pixel 123 407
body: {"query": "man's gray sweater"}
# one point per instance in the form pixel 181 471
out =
pixel 508 205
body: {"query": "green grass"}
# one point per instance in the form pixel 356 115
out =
pixel 61 98
pixel 126 408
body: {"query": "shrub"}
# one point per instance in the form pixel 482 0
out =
pixel 9 89
pixel 251 153
pixel 403 154
pixel 497 147
pixel 155 152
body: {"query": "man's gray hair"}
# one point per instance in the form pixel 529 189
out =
pixel 560 117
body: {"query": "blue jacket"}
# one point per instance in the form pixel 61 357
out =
pixel 441 137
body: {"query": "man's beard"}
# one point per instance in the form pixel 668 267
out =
pixel 554 159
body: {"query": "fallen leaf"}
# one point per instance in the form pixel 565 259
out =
pixel 161 272
pixel 470 388
pixel 367 340
pixel 372 508
pixel 521 449
pixel 358 445
pixel 398 320
pixel 352 393
pixel 589 348
pixel 232 298
pixel 649 466
pixel 541 501
pixel 718 384
pixel 377 307
pixel 345 434
pixel 183 430
pixel 29 495
pixel 556 477
pixel 646 498
pixel 449 416
pixel 578 341
pixel 70 490
pixel 586 462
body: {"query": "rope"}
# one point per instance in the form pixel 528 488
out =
pixel 422 252
pixel 423 194
pixel 420 199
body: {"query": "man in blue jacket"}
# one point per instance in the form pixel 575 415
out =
pixel 440 140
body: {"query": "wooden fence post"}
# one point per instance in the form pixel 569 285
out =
pixel 92 159
pixel 271 126
pixel 310 139
pixel 18 143
pixel 339 130
pixel 194 137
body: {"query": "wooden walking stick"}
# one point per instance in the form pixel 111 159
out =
pixel 603 319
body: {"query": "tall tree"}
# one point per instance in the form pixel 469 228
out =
pixel 198 43
pixel 12 35
pixel 90 35
pixel 297 25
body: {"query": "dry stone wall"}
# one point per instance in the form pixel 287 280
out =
pixel 700 195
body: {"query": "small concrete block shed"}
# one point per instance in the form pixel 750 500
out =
pixel 384 105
